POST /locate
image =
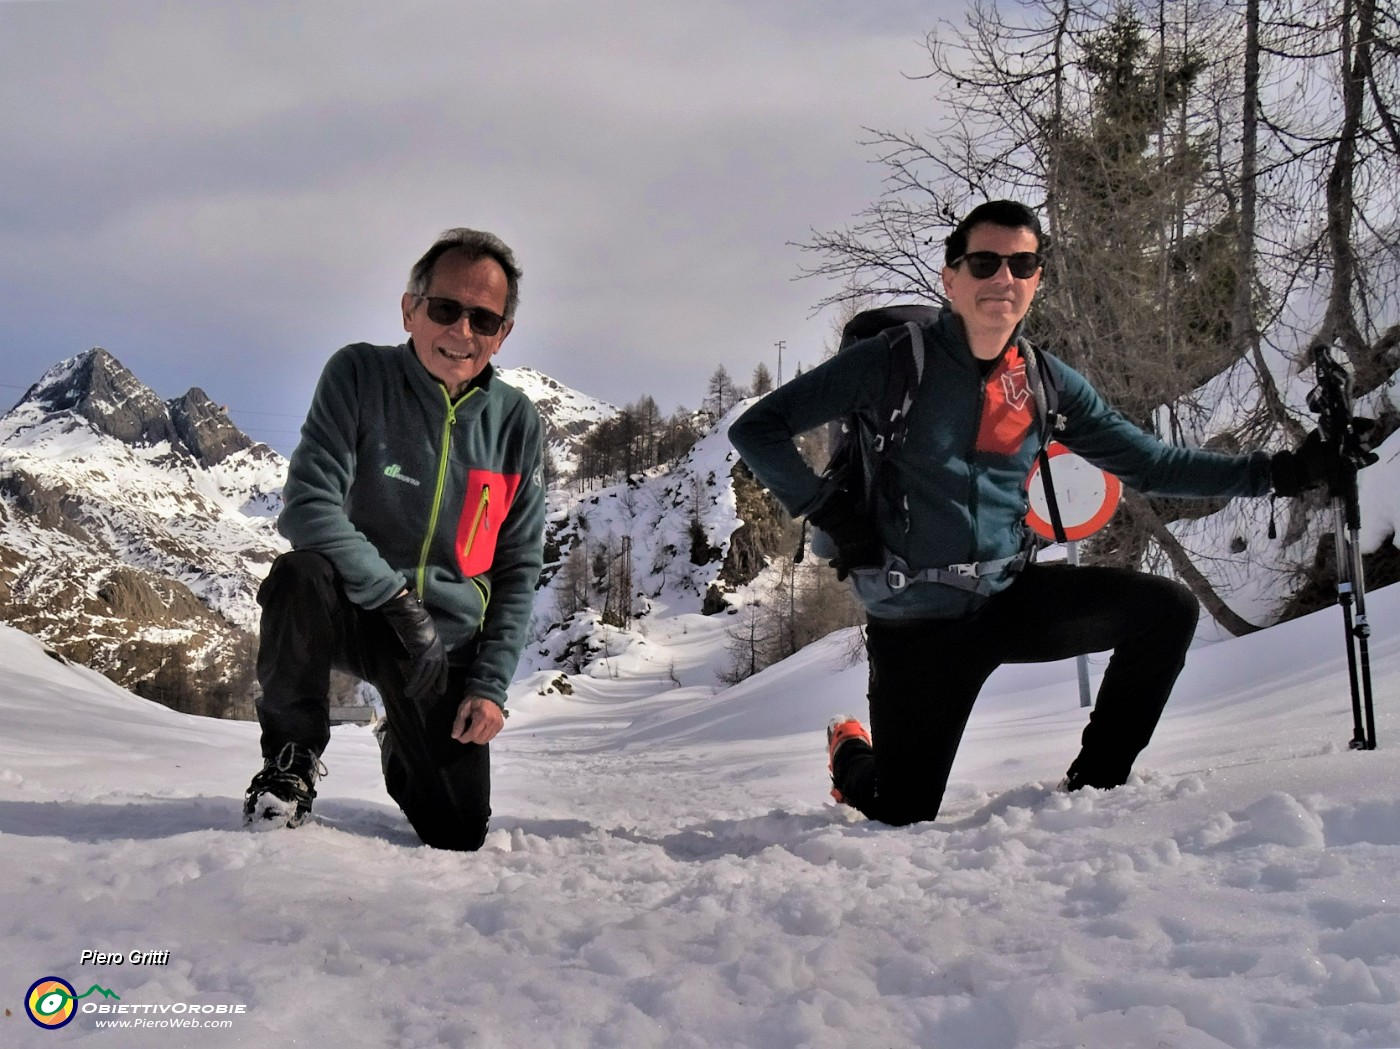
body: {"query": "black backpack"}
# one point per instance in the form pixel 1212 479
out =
pixel 861 444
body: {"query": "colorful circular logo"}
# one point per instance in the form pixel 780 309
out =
pixel 50 1002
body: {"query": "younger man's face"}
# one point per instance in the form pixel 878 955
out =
pixel 1001 300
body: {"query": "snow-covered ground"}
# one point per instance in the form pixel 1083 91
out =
pixel 665 869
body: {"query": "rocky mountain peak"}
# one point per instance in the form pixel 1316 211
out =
pixel 96 386
pixel 205 428
pixel 134 532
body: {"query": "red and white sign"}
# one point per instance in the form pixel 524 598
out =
pixel 1086 495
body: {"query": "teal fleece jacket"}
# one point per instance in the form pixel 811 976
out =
pixel 398 485
pixel 969 446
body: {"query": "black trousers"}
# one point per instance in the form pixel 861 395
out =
pixel 310 627
pixel 925 676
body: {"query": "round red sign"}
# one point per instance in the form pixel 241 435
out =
pixel 1086 495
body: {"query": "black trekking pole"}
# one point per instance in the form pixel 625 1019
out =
pixel 1331 399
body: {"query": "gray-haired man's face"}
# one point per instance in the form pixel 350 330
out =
pixel 454 354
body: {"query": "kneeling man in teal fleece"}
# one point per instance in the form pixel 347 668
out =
pixel 414 504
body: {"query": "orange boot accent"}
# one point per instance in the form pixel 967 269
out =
pixel 840 731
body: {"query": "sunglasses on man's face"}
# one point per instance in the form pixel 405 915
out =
pixel 984 264
pixel 449 311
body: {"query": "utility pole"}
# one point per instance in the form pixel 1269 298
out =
pixel 780 344
pixel 625 582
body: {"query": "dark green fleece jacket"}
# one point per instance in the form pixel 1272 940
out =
pixel 398 485
pixel 970 443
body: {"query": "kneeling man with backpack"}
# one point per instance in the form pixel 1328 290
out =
pixel 928 522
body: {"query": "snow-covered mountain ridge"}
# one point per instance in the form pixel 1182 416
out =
pixel 568 415
pixel 134 531
pixel 653 546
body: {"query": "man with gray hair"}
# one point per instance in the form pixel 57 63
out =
pixel 415 508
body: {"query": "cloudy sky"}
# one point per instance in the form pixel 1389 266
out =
pixel 221 194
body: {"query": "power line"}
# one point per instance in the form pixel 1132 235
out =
pixel 250 411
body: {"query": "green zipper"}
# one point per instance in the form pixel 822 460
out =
pixel 483 512
pixel 485 600
pixel 443 458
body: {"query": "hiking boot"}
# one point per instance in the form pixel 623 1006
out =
pixel 840 730
pixel 281 793
pixel 1081 774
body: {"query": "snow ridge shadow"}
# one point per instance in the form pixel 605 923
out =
pixel 149 819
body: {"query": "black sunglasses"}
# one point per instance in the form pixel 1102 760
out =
pixel 449 311
pixel 984 264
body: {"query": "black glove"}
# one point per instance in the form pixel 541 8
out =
pixel 1363 433
pixel 1316 463
pixel 852 530
pixel 427 662
pixel 1296 472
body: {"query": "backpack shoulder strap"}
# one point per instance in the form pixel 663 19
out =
pixel 905 374
pixel 1046 390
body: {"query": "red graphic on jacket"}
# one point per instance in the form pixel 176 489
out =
pixel 484 510
pixel 1008 409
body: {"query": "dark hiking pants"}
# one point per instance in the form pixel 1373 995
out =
pixel 925 676
pixel 310 627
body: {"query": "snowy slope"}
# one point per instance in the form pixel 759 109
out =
pixel 654 513
pixel 139 494
pixel 666 870
pixel 568 414
pixel 135 531
pixel 665 867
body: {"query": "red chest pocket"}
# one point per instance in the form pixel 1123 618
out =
pixel 484 510
pixel 1008 410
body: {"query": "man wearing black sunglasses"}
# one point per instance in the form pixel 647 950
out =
pixel 415 508
pixel 949 587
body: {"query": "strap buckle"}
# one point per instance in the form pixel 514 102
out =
pixel 971 569
pixel 896 580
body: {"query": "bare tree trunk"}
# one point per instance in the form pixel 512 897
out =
pixel 1339 324
pixel 1168 218
pixel 1057 117
pixel 1141 514
pixel 1245 331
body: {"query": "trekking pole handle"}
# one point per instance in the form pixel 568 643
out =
pixel 1330 399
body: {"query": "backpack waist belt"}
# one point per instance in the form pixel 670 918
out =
pixel 969 575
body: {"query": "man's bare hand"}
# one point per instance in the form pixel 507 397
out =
pixel 478 720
